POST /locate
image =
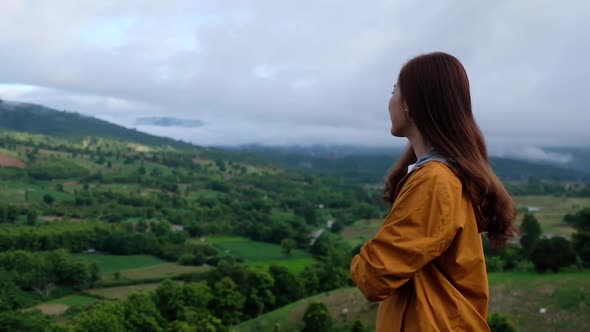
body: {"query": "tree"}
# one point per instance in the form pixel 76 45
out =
pixel 94 272
pixel 531 234
pixel 582 222
pixel 141 226
pixel 337 227
pixel 201 320
pixel 581 244
pixel 104 317
pixel 197 295
pixel 48 199
pixel 553 254
pixel 161 228
pixel 187 259
pixel 308 212
pixel 581 239
pixel 288 245
pixel 23 321
pixel 168 299
pixel 259 295
pixel 317 318
pixel 11 296
pixel 287 288
pixel 141 314
pixel 227 302
pixel 180 326
pixel 31 217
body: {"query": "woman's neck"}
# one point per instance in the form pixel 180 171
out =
pixel 419 145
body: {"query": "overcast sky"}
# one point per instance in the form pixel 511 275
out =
pixel 298 72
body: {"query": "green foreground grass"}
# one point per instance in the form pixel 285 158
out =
pixel 520 295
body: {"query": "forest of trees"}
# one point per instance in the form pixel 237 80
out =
pixel 107 196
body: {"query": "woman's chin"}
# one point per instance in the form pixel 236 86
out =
pixel 395 133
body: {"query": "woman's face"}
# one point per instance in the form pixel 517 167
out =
pixel 400 119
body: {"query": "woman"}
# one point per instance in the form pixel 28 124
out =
pixel 426 265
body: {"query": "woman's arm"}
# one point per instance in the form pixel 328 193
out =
pixel 418 229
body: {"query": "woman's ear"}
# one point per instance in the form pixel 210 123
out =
pixel 406 111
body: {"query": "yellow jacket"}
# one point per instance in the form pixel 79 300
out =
pixel 426 265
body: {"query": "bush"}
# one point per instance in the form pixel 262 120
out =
pixel 56 169
pixel 500 323
pixel 317 318
pixel 358 326
pixel 495 264
pixel 524 266
pixel 48 199
pixel 581 243
pixel 531 234
pixel 511 258
pixel 32 321
pixel 187 259
pixel 553 254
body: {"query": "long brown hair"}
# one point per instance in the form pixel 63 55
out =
pixel 435 89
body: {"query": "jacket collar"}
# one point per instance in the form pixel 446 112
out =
pixel 433 155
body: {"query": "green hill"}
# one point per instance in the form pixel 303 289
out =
pixel 37 119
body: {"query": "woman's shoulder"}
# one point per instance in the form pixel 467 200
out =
pixel 437 174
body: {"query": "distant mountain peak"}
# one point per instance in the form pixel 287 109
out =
pixel 167 121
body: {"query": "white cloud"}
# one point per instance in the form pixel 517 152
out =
pixel 265 71
pixel 534 154
pixel 304 83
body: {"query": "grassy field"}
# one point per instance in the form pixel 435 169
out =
pixel 289 317
pixel 552 210
pixel 155 272
pixel 253 250
pixel 566 297
pixel 294 265
pixel 73 300
pixel 361 231
pixel 59 306
pixel 113 263
pixel 122 292
pixel 550 216
pixel 260 254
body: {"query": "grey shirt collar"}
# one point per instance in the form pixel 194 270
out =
pixel 433 155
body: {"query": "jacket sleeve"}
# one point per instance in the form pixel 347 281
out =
pixel 418 229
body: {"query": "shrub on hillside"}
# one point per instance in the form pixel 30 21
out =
pixel 500 323
pixel 56 169
pixel 317 318
pixel 553 254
